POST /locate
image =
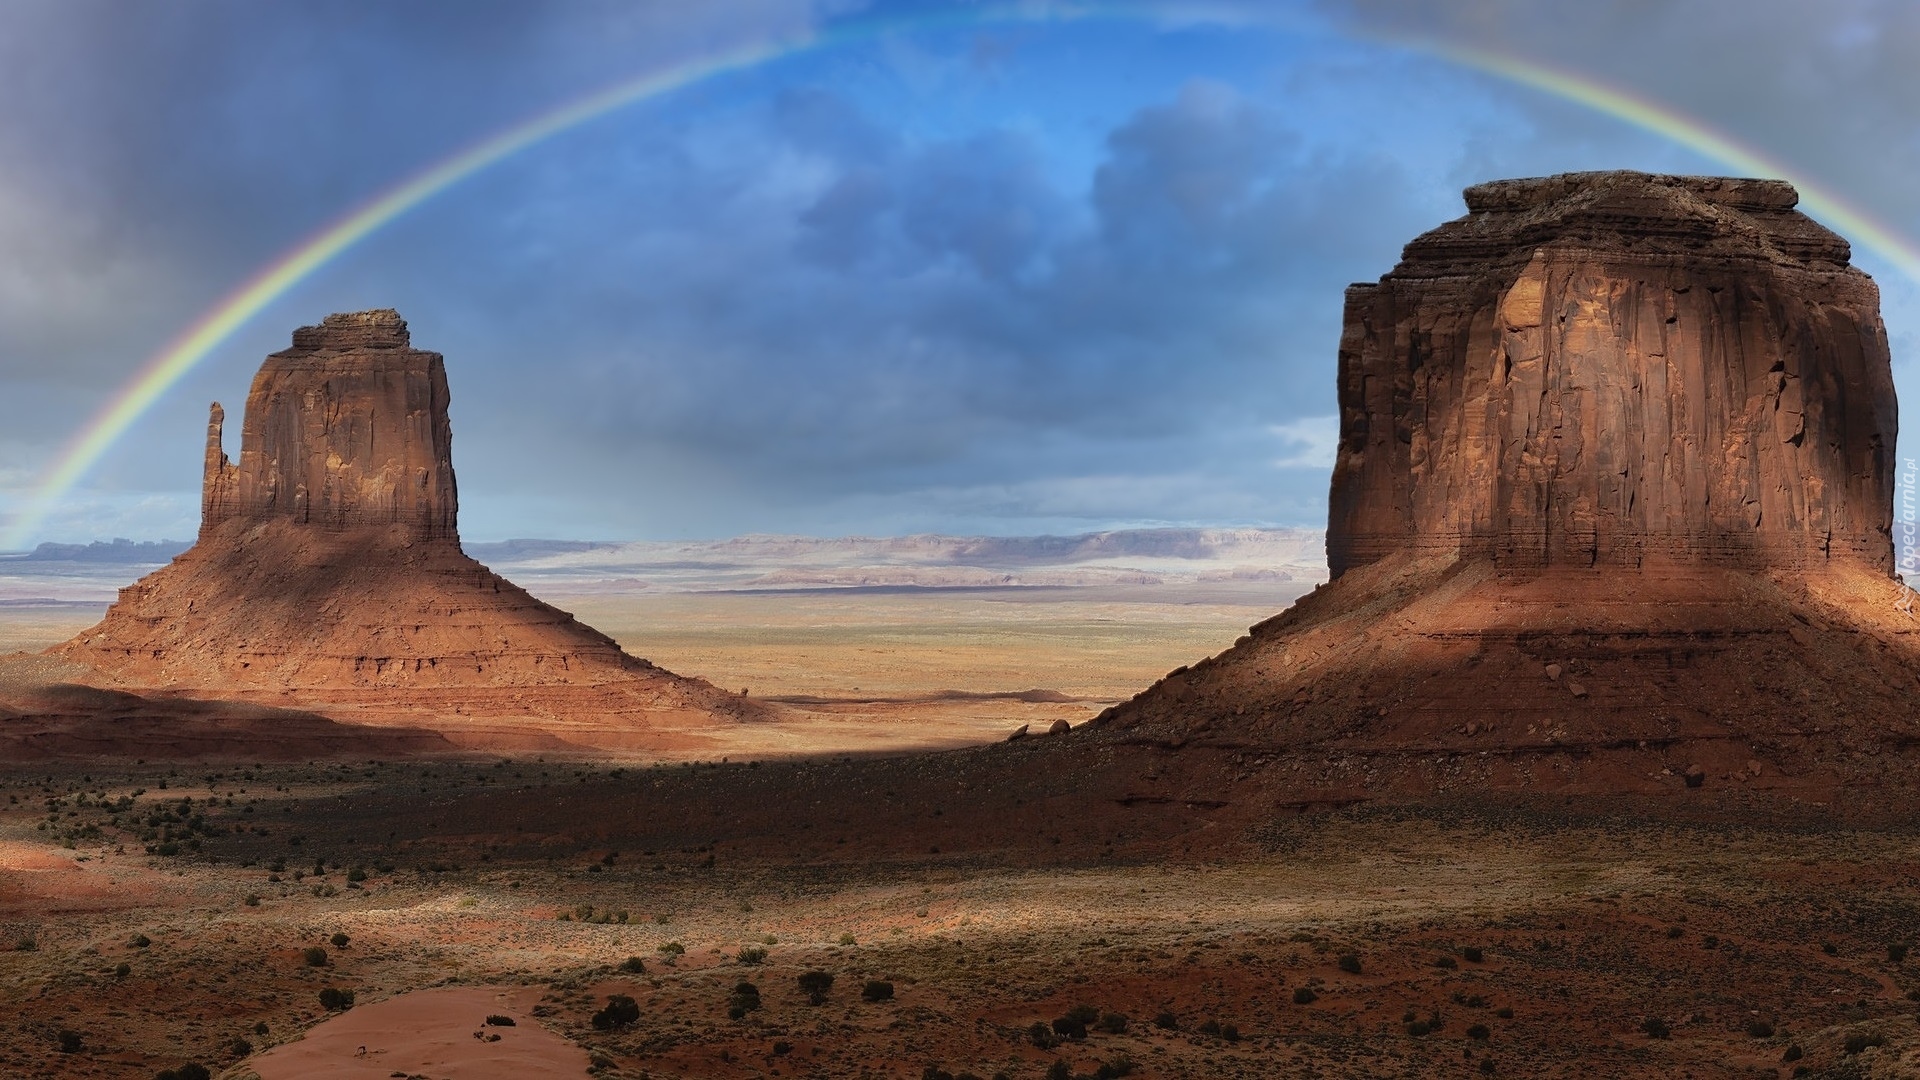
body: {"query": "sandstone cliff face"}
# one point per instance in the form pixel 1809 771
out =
pixel 348 428
pixel 1602 368
pixel 1612 506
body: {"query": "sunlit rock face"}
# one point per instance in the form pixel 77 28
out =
pixel 347 428
pixel 1610 368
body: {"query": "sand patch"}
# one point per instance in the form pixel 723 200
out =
pixel 431 1033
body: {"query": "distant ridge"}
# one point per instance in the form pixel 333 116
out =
pixel 118 550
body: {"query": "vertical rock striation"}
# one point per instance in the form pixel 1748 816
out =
pixel 1601 368
pixel 347 428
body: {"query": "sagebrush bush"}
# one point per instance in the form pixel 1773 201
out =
pixel 621 1011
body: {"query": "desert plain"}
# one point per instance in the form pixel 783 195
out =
pixel 977 912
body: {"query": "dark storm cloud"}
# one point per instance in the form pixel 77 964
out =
pixel 945 318
pixel 1829 88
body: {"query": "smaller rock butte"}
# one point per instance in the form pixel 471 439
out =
pixel 329 563
pixel 1612 505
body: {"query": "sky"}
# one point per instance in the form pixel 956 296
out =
pixel 974 268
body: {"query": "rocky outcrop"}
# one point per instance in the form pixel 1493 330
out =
pixel 1611 513
pixel 348 428
pixel 1600 368
pixel 329 566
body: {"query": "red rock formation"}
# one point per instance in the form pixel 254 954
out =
pixel 329 564
pixel 1603 367
pixel 1613 504
pixel 346 429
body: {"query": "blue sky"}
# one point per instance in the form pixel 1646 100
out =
pixel 1028 268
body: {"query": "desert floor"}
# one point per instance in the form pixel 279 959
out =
pixel 163 915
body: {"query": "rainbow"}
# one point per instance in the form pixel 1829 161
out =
pixel 274 280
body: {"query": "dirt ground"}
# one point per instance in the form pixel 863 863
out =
pixel 1175 912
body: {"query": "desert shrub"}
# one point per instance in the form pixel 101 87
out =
pixel 1897 953
pixel 1793 1053
pixel 746 998
pixel 1674 932
pixel 1655 1028
pixel 1421 1027
pixel 1711 941
pixel 633 965
pixel 1830 948
pixel 1760 1029
pixel 239 1046
pixel 1166 1021
pixel 752 954
pixel 1479 1033
pixel 496 1020
pixel 1041 1035
pixel 357 874
pixel 340 941
pixel 1350 963
pixel 1230 1033
pixel 1113 1023
pixel 315 956
pixel 621 1011
pixel 1122 1065
pixel 815 985
pixel 334 999
pixel 673 948
pixel 877 990
pixel 1447 962
pixel 1305 996
pixel 1085 1014
pixel 1070 1027
pixel 846 939
pixel 1473 954
pixel 1486 1066
pixel 192 1070
pixel 935 1072
pixel 252 900
pixel 1860 1040
pixel 70 1041
pixel 1210 1027
pixel 1059 1070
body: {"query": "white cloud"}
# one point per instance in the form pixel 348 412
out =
pixel 1309 442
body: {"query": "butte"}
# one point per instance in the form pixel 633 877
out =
pixel 328 575
pixel 1612 511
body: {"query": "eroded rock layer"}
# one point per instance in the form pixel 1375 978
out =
pixel 1599 368
pixel 1612 512
pixel 347 428
pixel 329 564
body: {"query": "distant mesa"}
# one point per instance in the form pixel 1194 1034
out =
pixel 329 558
pixel 1612 502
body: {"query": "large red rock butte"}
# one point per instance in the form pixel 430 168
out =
pixel 329 566
pixel 1612 505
